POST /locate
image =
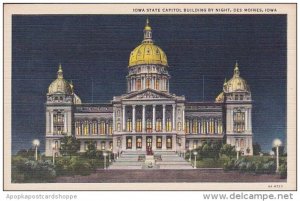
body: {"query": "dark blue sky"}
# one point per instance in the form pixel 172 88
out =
pixel 97 47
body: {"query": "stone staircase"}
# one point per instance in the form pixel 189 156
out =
pixel 170 160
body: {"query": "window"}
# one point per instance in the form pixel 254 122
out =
pixel 128 142
pixel 102 127
pixel 187 126
pixel 203 125
pixel 138 125
pixel 211 126
pixel 169 142
pixel 94 130
pixel 157 84
pixel 86 127
pixel 195 126
pixel 78 128
pixel 158 125
pixel 169 125
pixel 148 83
pixel 179 126
pixel 158 142
pixel 129 125
pixel 118 127
pixel 220 127
pixel 138 84
pixel 56 145
pixel 110 128
pixel 119 142
pixel 149 125
pixel 239 121
pixel 138 142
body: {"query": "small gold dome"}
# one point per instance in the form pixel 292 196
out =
pixel 147 52
pixel 236 83
pixel 220 98
pixel 60 85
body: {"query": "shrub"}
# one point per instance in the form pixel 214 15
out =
pixel 24 170
pixel 283 171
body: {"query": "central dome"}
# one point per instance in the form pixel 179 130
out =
pixel 147 52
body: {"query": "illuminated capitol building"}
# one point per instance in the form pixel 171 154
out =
pixel 148 116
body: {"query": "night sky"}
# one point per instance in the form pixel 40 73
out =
pixel 94 50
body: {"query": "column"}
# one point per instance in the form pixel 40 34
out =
pixel 144 82
pixel 123 118
pixel 164 118
pixel 153 118
pixel 114 120
pixel 246 119
pixel 250 121
pixel 51 122
pixel 183 119
pixel 133 118
pixel 152 82
pixel 65 122
pixel 143 120
pixel 173 117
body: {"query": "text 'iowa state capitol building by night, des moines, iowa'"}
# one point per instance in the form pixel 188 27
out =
pixel 148 116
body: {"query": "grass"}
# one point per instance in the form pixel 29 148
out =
pixel 210 163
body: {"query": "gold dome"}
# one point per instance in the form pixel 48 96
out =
pixel 147 52
pixel 236 83
pixel 60 85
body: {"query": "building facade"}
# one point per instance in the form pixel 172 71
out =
pixel 148 116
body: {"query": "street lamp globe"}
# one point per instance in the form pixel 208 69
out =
pixel 238 149
pixel 53 145
pixel 36 142
pixel 271 153
pixel 104 154
pixel 277 142
pixel 195 153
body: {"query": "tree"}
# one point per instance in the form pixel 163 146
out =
pixel 91 150
pixel 256 149
pixel 228 150
pixel 69 146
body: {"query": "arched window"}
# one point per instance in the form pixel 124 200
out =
pixel 169 125
pixel 187 126
pixel 102 127
pixel 158 125
pixel 138 142
pixel 78 128
pixel 220 126
pixel 239 121
pixel 149 125
pixel 128 143
pixel 129 125
pixel 242 143
pixel 169 142
pixel 195 126
pixel 86 127
pixel 138 125
pixel 158 142
pixel 95 130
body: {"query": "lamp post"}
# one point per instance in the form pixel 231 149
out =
pixel 53 153
pixel 104 154
pixel 36 143
pixel 277 143
pixel 195 153
pixel 190 159
pixel 237 149
pixel 184 154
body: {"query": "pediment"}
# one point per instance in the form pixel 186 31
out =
pixel 148 94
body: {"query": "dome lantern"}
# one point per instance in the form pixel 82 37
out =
pixel 147 33
pixel 60 85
